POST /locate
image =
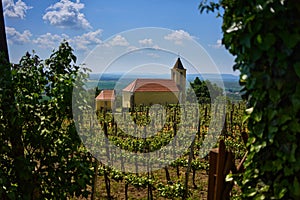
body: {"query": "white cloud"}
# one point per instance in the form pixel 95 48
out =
pixel 66 14
pixel 82 42
pixel 178 36
pixel 16 10
pixel 132 48
pixel 154 55
pixel 15 37
pixel 117 41
pixel 49 40
pixel 156 47
pixel 218 44
pixel 146 42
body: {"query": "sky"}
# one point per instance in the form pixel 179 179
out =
pixel 119 35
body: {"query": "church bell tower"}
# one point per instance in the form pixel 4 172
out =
pixel 178 75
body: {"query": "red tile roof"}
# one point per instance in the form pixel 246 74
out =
pixel 107 95
pixel 152 85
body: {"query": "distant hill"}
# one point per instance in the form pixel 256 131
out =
pixel 213 77
pixel 190 77
pixel 104 76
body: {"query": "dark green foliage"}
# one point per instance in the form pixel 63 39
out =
pixel 54 159
pixel 205 91
pixel 97 91
pixel 265 38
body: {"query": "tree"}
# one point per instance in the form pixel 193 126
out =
pixel 13 172
pixel 264 36
pixel 55 161
pixel 205 91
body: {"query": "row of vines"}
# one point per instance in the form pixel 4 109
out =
pixel 153 170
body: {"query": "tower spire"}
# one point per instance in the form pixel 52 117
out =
pixel 178 64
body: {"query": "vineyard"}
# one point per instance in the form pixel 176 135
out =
pixel 157 152
pixel 168 148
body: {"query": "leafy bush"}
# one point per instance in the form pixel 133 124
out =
pixel 264 37
pixel 52 163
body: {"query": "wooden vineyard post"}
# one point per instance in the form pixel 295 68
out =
pixel 213 155
pixel 219 171
pixel 94 188
pixel 220 164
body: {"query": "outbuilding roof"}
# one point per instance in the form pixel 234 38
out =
pixel 106 95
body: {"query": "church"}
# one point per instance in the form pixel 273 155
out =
pixel 148 92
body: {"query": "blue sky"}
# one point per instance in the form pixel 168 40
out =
pixel 41 25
